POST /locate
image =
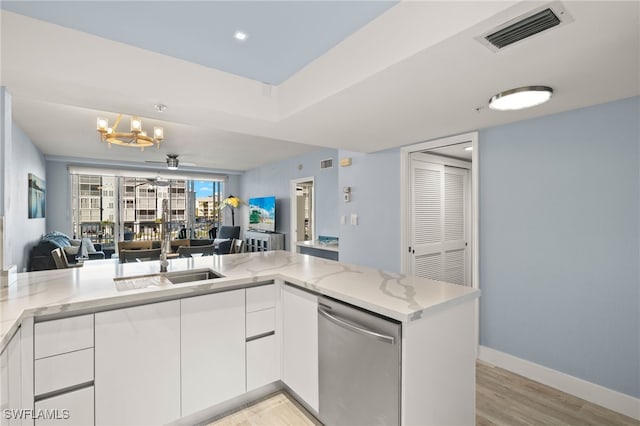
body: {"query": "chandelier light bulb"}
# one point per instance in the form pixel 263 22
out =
pixel 102 124
pixel 136 124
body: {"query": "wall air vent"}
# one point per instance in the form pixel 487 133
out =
pixel 525 26
pixel 326 164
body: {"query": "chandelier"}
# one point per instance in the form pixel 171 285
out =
pixel 136 138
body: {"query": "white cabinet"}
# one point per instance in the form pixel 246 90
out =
pixel 11 381
pixel 63 335
pixel 137 365
pixel 300 343
pixel 4 385
pixel 213 349
pixel 263 336
pixel 63 370
pixel 263 241
pixel 263 361
pixel 69 409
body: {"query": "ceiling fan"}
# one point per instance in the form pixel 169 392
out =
pixel 172 162
pixel 157 181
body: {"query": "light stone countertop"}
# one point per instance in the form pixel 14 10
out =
pixel 78 290
pixel 316 244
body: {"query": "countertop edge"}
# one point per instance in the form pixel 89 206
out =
pixel 159 294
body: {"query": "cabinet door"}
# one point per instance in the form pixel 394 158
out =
pixel 69 409
pixel 10 381
pixel 213 349
pixel 263 362
pixel 137 365
pixel 300 344
pixel 14 378
pixel 4 386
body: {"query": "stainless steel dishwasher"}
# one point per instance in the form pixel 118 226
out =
pixel 359 366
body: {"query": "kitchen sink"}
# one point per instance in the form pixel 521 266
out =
pixel 162 279
pixel 180 277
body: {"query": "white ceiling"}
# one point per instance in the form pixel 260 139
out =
pixel 412 74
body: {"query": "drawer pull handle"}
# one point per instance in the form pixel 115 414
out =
pixel 62 391
pixel 260 336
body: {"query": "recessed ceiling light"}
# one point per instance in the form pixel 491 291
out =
pixel 240 35
pixel 469 148
pixel 520 98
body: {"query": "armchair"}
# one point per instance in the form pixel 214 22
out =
pixel 225 236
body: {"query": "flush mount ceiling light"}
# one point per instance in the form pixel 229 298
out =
pixel 136 138
pixel 520 98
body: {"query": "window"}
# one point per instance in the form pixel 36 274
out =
pixel 105 207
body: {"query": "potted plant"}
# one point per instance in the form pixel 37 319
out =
pixel 233 203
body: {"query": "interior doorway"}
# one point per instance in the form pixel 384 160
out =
pixel 302 211
pixel 440 204
pixel 440 220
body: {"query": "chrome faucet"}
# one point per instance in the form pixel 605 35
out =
pixel 166 237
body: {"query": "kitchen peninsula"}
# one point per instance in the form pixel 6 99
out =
pixel 153 352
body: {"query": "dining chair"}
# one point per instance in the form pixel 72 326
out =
pixel 60 259
pixel 130 256
pixel 207 250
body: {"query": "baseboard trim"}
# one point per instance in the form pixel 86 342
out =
pixel 613 400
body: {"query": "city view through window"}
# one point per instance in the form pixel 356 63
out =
pixel 108 209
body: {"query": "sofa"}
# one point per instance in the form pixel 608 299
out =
pixel 40 257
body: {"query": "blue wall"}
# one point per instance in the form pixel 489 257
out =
pixel 59 198
pixel 559 246
pixel 375 198
pixel 23 232
pixel 274 179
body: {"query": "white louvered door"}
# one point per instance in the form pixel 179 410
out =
pixel 440 222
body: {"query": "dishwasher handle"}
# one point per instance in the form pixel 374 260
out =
pixel 354 327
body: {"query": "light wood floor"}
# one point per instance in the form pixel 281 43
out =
pixel 502 399
pixel 276 410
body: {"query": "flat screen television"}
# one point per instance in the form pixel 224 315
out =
pixel 262 214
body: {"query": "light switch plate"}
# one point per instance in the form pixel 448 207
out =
pixel 343 220
pixel 354 219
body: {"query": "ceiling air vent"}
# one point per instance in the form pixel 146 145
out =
pixel 326 164
pixel 525 26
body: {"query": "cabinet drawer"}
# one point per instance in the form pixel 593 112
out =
pixel 261 322
pixel 63 335
pixel 71 409
pixel 263 362
pixel 262 297
pixel 61 371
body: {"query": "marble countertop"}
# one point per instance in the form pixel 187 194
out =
pixel 62 291
pixel 316 244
